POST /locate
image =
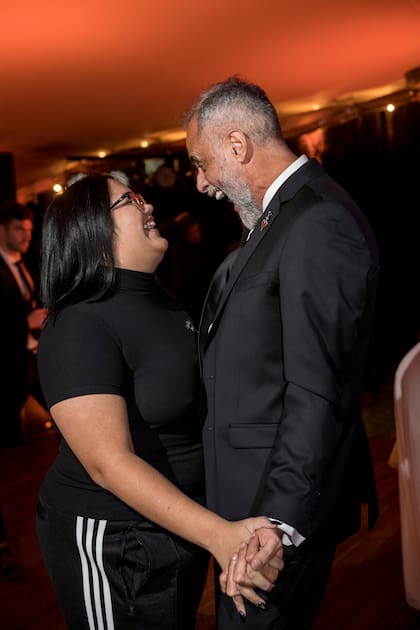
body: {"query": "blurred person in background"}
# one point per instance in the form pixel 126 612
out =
pixel 21 320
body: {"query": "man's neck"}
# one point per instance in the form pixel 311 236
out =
pixel 10 256
pixel 268 166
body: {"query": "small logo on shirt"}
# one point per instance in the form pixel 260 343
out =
pixel 189 325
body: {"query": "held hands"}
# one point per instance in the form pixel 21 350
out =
pixel 255 564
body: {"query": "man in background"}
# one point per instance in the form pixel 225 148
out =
pixel 20 319
pixel 283 342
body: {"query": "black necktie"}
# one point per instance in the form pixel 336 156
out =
pixel 24 277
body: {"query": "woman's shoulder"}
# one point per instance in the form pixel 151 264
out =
pixel 67 316
pixel 84 321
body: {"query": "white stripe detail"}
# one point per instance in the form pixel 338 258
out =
pixel 107 590
pixel 95 576
pixel 85 573
pixel 95 560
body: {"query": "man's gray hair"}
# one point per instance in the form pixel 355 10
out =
pixel 238 102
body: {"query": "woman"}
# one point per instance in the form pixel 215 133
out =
pixel 120 518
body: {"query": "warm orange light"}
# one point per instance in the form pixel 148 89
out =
pixel 144 144
pixel 390 107
pixel 57 188
pixel 101 154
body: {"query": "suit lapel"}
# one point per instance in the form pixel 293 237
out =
pixel 214 294
pixel 223 282
pixel 245 253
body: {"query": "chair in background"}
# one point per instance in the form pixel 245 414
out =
pixel 407 418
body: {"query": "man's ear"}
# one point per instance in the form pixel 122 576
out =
pixel 238 145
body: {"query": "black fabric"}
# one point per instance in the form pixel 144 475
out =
pixel 137 344
pixel 216 288
pixel 135 574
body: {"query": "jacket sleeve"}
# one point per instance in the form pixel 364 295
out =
pixel 325 278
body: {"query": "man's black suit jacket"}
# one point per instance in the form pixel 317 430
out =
pixel 283 355
pixel 13 329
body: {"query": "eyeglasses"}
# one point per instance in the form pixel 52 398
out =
pixel 137 200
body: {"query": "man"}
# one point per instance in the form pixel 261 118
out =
pixel 283 341
pixel 20 319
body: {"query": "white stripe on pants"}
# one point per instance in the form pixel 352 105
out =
pixel 93 573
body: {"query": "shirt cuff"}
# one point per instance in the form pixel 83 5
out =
pixel 290 535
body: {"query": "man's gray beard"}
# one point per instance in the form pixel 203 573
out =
pixel 241 197
pixel 249 215
pixel 245 204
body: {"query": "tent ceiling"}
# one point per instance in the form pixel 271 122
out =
pixel 83 75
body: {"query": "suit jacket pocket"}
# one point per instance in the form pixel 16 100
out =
pixel 255 435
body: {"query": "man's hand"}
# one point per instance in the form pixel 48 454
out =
pixel 264 550
pixel 267 549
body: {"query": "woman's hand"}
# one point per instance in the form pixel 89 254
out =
pixel 260 542
pixel 238 579
pixel 244 575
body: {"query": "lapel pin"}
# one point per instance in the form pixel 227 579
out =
pixel 265 221
pixel 189 325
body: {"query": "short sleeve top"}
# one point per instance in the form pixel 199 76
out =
pixel 139 344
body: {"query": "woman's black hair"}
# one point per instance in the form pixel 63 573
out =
pixel 77 255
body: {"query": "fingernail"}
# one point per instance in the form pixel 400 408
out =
pixel 262 605
pixel 242 615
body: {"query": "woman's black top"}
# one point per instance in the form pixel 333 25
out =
pixel 138 344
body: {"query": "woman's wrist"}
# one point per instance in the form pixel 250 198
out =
pixel 216 529
pixel 222 541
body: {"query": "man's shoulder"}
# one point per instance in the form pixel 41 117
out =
pixel 4 267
